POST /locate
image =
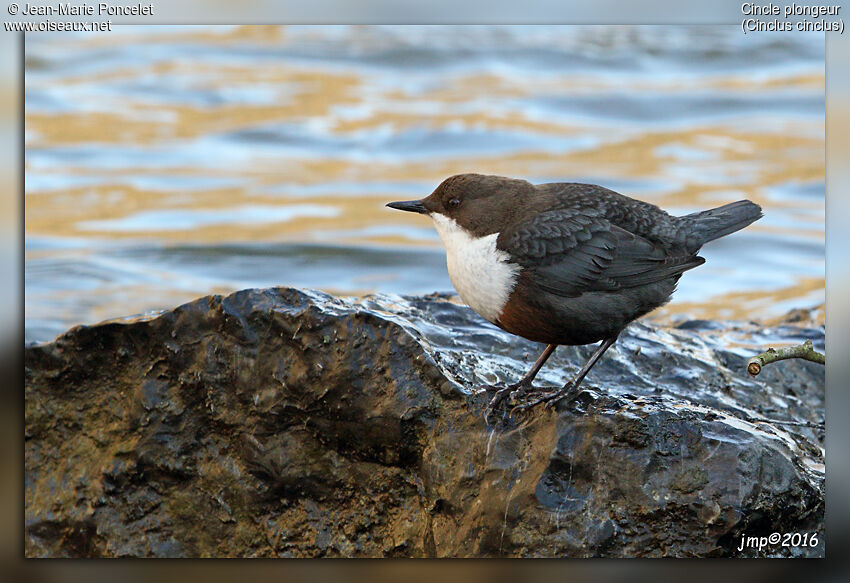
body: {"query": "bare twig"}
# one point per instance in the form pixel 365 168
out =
pixel 804 351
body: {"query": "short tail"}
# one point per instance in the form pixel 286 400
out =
pixel 709 225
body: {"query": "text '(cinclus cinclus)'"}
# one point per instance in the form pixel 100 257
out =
pixel 565 263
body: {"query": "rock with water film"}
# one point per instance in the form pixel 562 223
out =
pixel 286 423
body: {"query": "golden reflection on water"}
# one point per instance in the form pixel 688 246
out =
pixel 742 306
pixel 734 160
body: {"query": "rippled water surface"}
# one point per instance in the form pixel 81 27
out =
pixel 164 163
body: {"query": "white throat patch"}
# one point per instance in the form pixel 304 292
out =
pixel 479 271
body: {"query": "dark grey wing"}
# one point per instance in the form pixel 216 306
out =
pixel 568 254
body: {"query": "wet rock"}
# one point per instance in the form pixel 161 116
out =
pixel 285 423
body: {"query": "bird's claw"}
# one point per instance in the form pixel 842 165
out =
pixel 516 392
pixel 509 393
pixel 548 400
pixel 530 404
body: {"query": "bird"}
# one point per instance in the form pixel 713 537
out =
pixel 564 263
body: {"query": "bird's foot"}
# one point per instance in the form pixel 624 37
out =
pixel 548 399
pixel 510 393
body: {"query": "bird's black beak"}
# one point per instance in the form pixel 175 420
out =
pixel 413 206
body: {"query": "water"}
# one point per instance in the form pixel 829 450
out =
pixel 165 163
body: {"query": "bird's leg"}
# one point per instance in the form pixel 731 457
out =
pixel 522 386
pixel 571 388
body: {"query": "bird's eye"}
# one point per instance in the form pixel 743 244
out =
pixel 453 203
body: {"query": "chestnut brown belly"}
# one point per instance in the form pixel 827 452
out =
pixel 537 325
pixel 590 317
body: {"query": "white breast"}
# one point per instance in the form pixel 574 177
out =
pixel 479 271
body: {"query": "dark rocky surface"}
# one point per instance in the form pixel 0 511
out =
pixel 285 423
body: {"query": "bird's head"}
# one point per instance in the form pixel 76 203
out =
pixel 477 203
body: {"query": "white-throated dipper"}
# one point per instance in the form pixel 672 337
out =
pixel 565 263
